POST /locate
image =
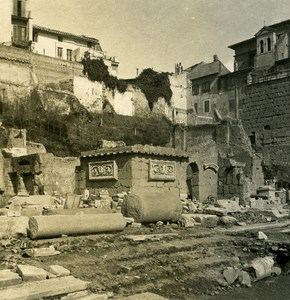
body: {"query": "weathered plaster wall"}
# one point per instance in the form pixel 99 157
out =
pixel 89 93
pixel 58 174
pixel 5 21
pixel 142 184
pixel 123 183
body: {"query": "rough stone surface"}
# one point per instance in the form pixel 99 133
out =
pixel 262 236
pixel 44 288
pixel 263 267
pixel 245 279
pixel 7 278
pixel 218 211
pixel 59 271
pixel 276 271
pixel 145 296
pixel 187 221
pixel 231 274
pixel 31 273
pixel 208 221
pixel 229 205
pixel 38 252
pixel 13 226
pixel 228 221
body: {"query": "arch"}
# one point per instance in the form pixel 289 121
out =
pixel 212 166
pixel 192 180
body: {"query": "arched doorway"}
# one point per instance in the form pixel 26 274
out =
pixel 192 180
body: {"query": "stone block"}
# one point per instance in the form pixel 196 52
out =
pixel 262 236
pixel 187 221
pixel 218 211
pixel 59 271
pixel 41 252
pixel 229 205
pixel 208 221
pixel 245 279
pixel 228 221
pixel 231 274
pixel 13 226
pixel 31 273
pixel 49 288
pixel 7 278
pixel 276 271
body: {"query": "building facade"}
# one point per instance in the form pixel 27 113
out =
pixel 17 29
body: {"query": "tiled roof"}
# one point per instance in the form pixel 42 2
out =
pixel 67 34
pixel 206 69
pixel 137 149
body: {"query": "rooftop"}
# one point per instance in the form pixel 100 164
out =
pixel 137 149
pixel 205 69
pixel 66 34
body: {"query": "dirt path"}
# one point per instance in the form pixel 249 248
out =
pixel 174 263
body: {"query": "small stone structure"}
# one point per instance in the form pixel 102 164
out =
pixel 139 169
pixel 26 168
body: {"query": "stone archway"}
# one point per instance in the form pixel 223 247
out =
pixel 192 180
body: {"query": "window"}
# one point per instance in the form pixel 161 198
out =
pixel 269 44
pixel 19 33
pixel 196 107
pixel 206 106
pixel 35 37
pixel 205 87
pixel 60 38
pixel 69 54
pixel 262 46
pixel 195 89
pixel 267 127
pixel 89 44
pixel 59 52
pixel 19 8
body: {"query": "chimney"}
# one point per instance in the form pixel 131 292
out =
pixel 215 57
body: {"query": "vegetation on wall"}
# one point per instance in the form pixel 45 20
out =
pixel 97 70
pixel 153 84
pixel 80 130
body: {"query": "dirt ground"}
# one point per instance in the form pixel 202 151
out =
pixel 175 262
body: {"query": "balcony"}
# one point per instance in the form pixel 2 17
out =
pixel 24 15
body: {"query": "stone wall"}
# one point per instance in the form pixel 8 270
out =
pixel 222 163
pixel 122 183
pixel 58 174
pixel 266 120
pixel 133 174
pixel 141 182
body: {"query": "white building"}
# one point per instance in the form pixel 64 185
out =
pixel 15 23
pixel 17 29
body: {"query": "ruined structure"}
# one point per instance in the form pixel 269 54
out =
pixel 26 168
pixel 222 163
pixel 142 170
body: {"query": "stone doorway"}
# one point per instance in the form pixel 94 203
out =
pixel 192 181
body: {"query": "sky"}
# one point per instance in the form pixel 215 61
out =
pixel 160 33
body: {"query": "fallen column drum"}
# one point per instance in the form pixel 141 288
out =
pixel 57 225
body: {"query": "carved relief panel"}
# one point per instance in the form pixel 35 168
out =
pixel 162 170
pixel 103 170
